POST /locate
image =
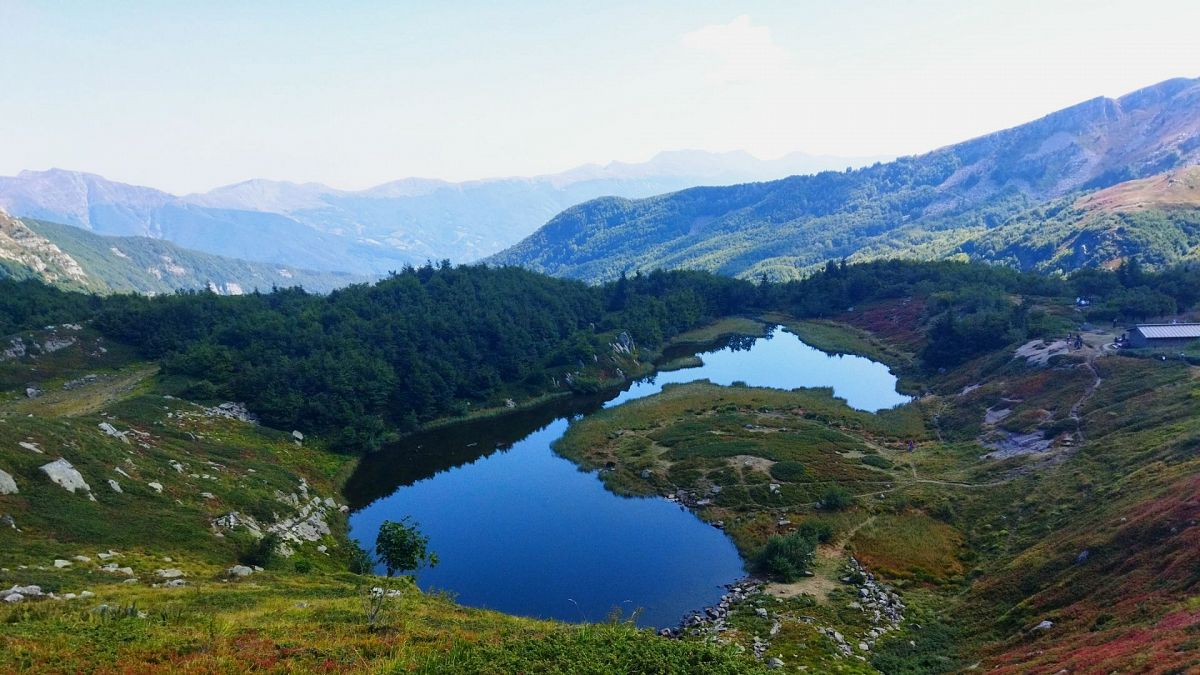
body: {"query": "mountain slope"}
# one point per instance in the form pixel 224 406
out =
pixel 947 195
pixel 72 258
pixel 376 230
pixel 1156 220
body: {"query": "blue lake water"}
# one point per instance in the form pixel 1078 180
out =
pixel 522 530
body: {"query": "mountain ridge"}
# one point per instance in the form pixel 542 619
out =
pixel 781 228
pixel 371 231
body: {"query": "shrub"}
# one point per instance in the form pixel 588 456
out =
pixel 877 461
pixel 837 499
pixel 817 530
pixel 786 558
pixel 303 566
pixel 257 552
pixel 788 471
pixel 360 560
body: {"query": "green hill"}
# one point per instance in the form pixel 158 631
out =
pixel 73 258
pixel 1156 220
pixel 924 206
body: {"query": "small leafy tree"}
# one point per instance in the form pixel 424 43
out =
pixel 401 546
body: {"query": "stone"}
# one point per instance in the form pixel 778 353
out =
pixel 239 571
pixel 175 583
pixel 208 495
pixel 116 487
pixel 8 486
pixel 863 647
pixel 7 519
pixel 761 612
pixel 82 559
pixel 1044 625
pixel 32 392
pixel 110 430
pixel 157 487
pixel 32 447
pixel 176 465
pixel 62 473
pixel 13 598
pixel 646 473
pixel 322 548
pixel 297 435
pixel 87 594
pixel 1079 559
pixel 170 573
pixel 775 663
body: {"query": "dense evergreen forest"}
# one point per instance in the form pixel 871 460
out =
pixel 437 341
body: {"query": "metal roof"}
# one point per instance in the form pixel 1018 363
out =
pixel 1156 331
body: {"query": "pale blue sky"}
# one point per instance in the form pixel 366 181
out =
pixel 188 96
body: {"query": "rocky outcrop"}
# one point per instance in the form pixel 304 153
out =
pixel 25 247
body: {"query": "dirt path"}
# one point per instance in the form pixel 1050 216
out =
pixel 827 568
pixel 1087 395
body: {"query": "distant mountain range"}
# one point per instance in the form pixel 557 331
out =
pixel 1008 197
pixel 72 258
pixel 373 231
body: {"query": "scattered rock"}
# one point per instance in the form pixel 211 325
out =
pixel 110 430
pixel 32 447
pixel 116 487
pixel 87 594
pixel 297 435
pixel 62 473
pixel 233 411
pixel 239 571
pixel 1079 559
pixel 168 573
pixel 761 612
pixel 1046 624
pixel 75 384
pixel 775 663
pixel 32 392
pixel 13 598
pixel 157 487
pixel 8 486
pixel 7 520
pixel 175 583
pixel 646 474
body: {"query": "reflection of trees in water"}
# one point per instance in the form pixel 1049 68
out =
pixel 741 343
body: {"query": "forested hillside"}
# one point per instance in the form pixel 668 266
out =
pixel 423 344
pixel 444 341
pixel 916 206
pixel 1155 220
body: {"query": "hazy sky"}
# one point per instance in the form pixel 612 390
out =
pixel 187 96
